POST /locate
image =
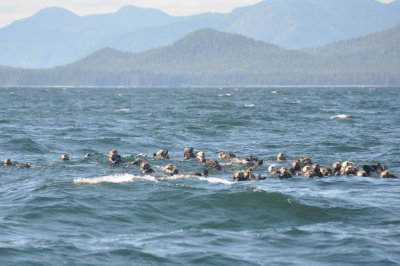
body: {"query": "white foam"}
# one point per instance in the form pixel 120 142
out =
pixel 249 105
pixel 225 95
pixel 127 178
pixel 118 179
pixel 147 178
pixel 122 110
pixel 339 117
pixel 274 92
pixel 208 179
pixel 215 180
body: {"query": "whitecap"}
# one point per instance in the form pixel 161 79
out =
pixel 225 95
pixel 215 180
pixel 274 92
pixel 339 117
pixel 208 179
pixel 122 110
pixel 249 105
pixel 117 179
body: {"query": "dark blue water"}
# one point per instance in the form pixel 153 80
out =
pixel 86 212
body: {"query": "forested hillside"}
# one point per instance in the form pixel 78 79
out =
pixel 211 58
pixel 55 36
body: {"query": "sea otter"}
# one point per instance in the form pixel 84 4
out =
pixel 362 174
pixel 273 170
pixel 25 165
pixel 226 155
pixel 305 160
pixel 326 171
pixel 188 153
pixel 171 169
pixel 296 168
pixel 232 158
pixel 281 158
pixel 316 170
pixel 114 158
pixel 386 174
pixel 243 176
pixel 210 163
pixel 201 157
pixel 284 173
pixel 161 154
pixel 213 164
pixel 145 168
pixel 64 157
pixel 8 162
pixel 336 168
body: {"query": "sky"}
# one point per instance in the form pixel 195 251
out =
pixel 11 10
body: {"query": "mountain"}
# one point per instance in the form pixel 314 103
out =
pixel 308 23
pixel 379 51
pixel 379 45
pixel 55 36
pixel 291 24
pixel 212 58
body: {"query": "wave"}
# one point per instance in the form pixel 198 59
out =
pixel 249 105
pixel 117 179
pixel 122 110
pixel 25 145
pixel 339 117
pixel 225 95
pixel 127 178
pixel 208 179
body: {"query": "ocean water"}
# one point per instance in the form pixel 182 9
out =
pixel 87 212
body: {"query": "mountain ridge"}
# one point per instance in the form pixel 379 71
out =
pixel 209 57
pixel 290 24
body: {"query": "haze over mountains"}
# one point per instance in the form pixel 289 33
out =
pixel 56 36
pixel 212 58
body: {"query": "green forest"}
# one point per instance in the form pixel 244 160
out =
pixel 212 58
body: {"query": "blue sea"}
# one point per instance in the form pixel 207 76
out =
pixel 87 212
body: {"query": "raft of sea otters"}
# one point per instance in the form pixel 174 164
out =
pixel 300 167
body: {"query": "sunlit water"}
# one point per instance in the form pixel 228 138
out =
pixel 87 212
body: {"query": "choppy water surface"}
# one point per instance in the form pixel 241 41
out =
pixel 87 212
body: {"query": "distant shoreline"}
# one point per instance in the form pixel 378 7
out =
pixel 199 87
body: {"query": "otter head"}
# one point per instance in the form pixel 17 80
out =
pixel 239 176
pixel 64 157
pixel 201 157
pixel 281 157
pixel 188 153
pixel 272 169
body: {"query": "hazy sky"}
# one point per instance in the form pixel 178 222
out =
pixel 11 10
